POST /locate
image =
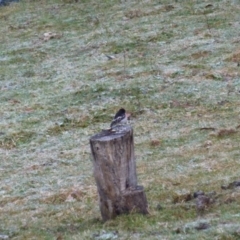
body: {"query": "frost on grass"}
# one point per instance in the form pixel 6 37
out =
pixel 175 68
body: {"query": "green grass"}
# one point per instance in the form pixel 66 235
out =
pixel 175 69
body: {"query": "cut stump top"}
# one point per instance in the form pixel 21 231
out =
pixel 110 134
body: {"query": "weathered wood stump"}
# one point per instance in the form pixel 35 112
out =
pixel 115 173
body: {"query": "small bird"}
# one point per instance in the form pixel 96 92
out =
pixel 121 117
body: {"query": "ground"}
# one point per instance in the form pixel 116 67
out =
pixel 68 66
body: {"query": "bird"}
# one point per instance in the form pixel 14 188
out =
pixel 121 117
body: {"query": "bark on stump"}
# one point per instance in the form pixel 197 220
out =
pixel 115 173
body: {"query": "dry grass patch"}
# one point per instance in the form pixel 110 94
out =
pixel 71 195
pixel 15 139
pixel 235 57
pixel 175 68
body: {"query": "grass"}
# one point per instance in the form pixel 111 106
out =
pixel 175 68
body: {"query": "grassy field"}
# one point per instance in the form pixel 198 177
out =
pixel 176 68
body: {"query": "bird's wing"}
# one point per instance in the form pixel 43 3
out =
pixel 117 120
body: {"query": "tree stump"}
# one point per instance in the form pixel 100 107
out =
pixel 115 173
